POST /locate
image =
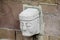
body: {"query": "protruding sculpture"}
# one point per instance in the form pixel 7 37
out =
pixel 29 22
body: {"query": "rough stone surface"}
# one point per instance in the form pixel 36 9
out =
pixel 9 11
pixel 49 9
pixel 58 1
pixel 51 20
pixel 19 36
pixel 48 1
pixel 9 15
pixel 49 38
pixel 7 34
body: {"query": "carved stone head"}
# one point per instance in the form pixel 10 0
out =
pixel 29 22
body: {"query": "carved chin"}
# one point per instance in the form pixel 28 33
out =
pixel 27 33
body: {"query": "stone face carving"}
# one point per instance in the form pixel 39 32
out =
pixel 29 22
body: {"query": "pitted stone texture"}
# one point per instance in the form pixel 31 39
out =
pixel 58 7
pixel 49 38
pixel 52 24
pixel 49 8
pixel 51 20
pixel 58 1
pixel 10 14
pixel 7 34
pixel 19 35
pixel 40 1
pixel 0 6
pixel 54 38
pixel 48 1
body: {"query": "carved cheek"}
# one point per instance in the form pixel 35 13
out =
pixel 21 25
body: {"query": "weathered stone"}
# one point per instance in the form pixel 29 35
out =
pixel 51 20
pixel 9 17
pixel 49 38
pixel 7 34
pixel 47 1
pixel 58 7
pixel 54 38
pixel 19 36
pixel 47 8
pixel 58 1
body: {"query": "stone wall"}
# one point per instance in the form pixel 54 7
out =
pixel 9 14
pixel 9 10
pixel 7 34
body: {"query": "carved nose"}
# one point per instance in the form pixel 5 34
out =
pixel 24 27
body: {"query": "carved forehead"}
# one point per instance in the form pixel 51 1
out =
pixel 26 20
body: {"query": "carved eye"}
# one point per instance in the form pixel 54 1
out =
pixel 28 24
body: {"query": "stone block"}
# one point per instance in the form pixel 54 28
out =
pixel 51 20
pixel 54 38
pixel 19 36
pixel 47 8
pixel 9 16
pixel 47 1
pixel 58 1
pixel 7 34
pixel 49 38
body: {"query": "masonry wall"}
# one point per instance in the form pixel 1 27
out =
pixel 9 10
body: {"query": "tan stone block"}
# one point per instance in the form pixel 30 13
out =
pixel 9 17
pixel 54 38
pixel 47 1
pixel 7 39
pixel 19 36
pixel 44 38
pixel 27 38
pixel 7 34
pixel 58 1
pixel 49 8
pixel 58 7
pixel 49 38
pixel 51 20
